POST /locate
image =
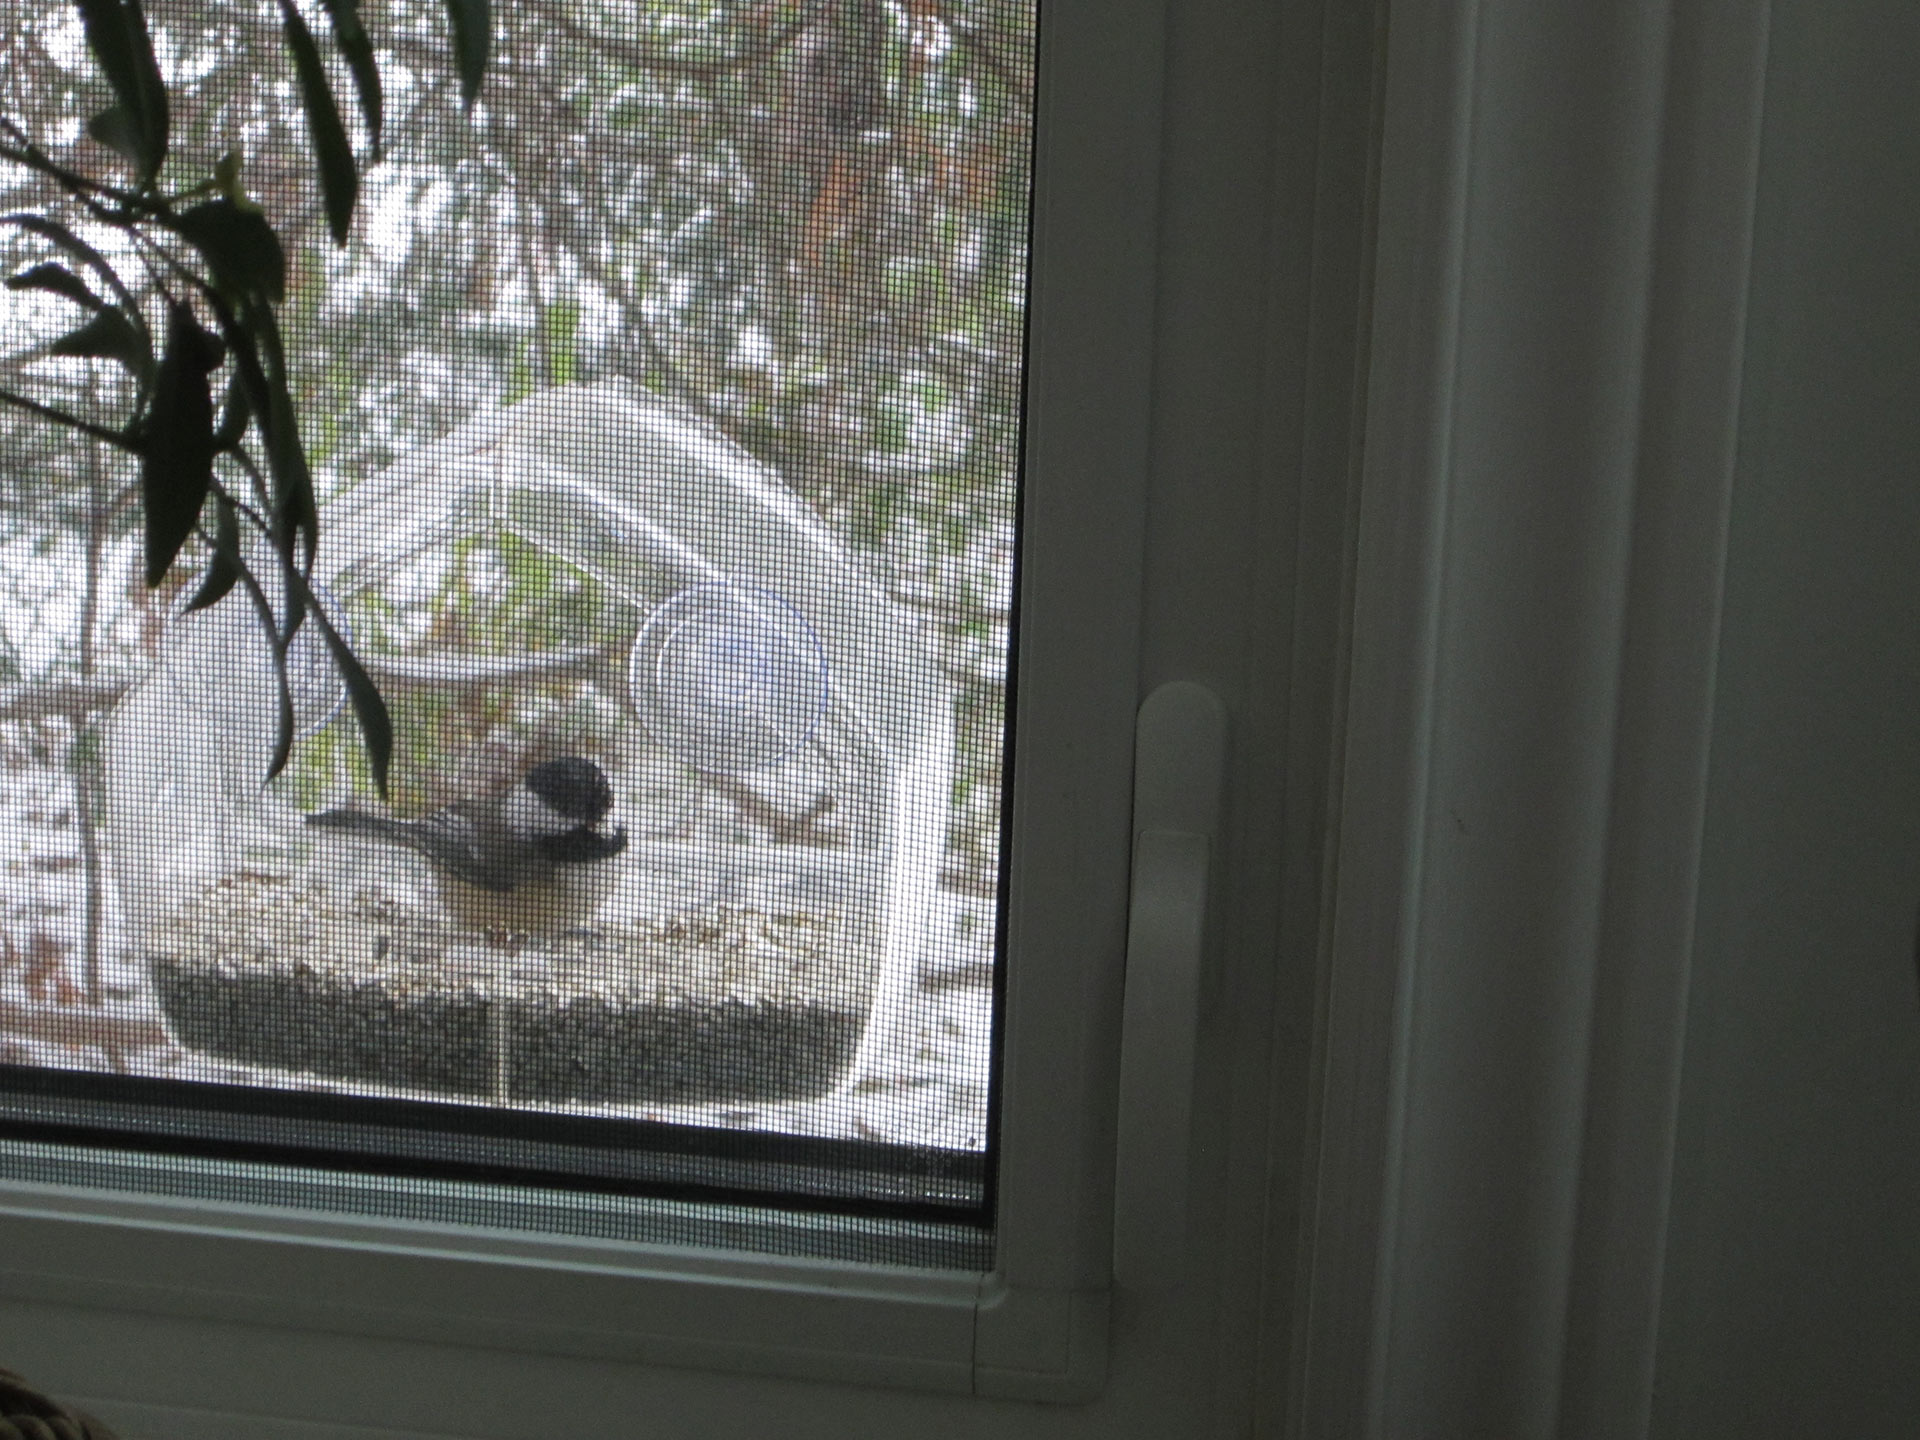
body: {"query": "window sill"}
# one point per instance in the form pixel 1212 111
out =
pixel 957 1333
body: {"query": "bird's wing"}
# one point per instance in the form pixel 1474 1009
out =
pixel 463 842
pixel 458 839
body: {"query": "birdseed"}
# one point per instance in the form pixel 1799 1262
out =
pixel 724 1005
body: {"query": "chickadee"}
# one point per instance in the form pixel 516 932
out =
pixel 510 862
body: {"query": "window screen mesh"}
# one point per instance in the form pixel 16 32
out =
pixel 663 414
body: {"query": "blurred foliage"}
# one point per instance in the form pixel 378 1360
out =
pixel 170 271
pixel 803 220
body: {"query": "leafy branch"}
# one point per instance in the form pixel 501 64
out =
pixel 204 268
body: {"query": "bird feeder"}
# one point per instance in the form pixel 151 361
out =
pixel 780 746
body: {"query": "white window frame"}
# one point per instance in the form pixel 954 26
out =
pixel 1565 223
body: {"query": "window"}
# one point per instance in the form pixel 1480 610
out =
pixel 663 417
pixel 260 1281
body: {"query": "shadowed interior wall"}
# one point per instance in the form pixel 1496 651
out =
pixel 1791 1304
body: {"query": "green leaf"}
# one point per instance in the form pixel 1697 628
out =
pixel 116 129
pixel 261 367
pixel 57 280
pixel 357 50
pixel 57 234
pixel 223 569
pixel 369 708
pixel 117 34
pixel 283 712
pixel 283 720
pixel 472 39
pixel 233 420
pixel 227 182
pixel 296 615
pixel 250 379
pixel 339 179
pixel 108 335
pixel 296 518
pixel 176 470
pixel 240 249
pixel 226 176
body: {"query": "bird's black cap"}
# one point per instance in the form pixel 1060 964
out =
pixel 573 787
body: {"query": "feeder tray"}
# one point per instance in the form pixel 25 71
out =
pixel 724 1005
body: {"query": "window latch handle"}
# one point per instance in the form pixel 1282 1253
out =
pixel 1179 763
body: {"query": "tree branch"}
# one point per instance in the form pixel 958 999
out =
pixel 37 699
pixel 990 58
pixel 22 151
pixel 72 422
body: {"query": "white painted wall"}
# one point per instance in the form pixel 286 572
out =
pixel 1791 1300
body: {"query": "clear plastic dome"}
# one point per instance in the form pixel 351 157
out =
pixel 593 572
